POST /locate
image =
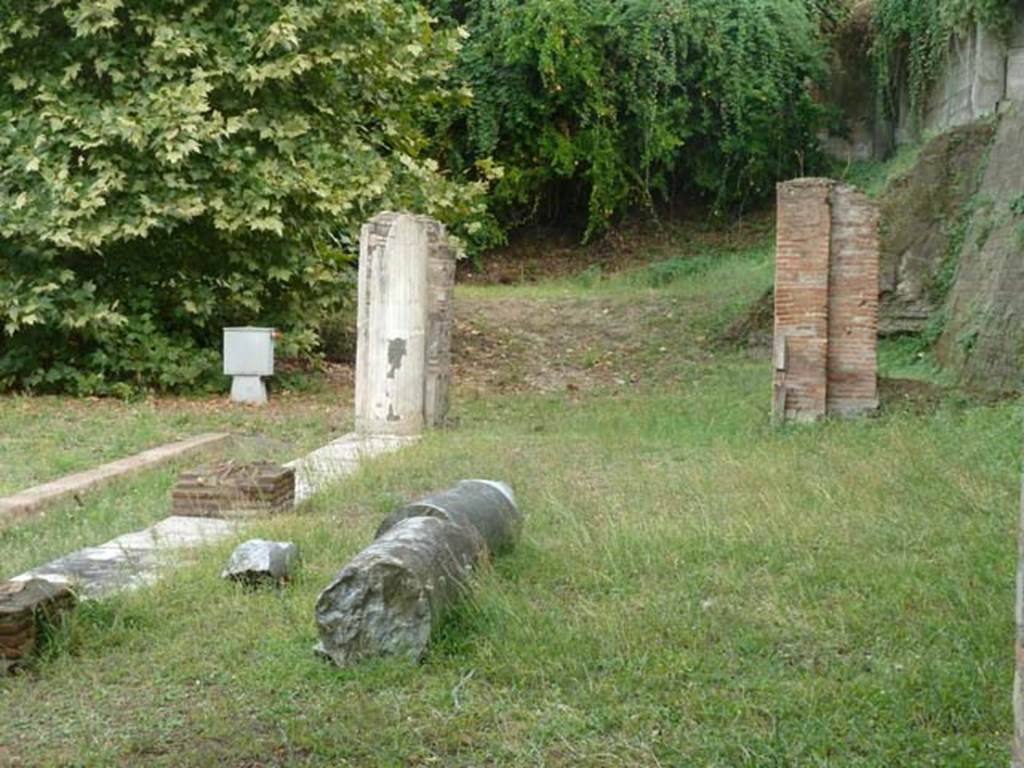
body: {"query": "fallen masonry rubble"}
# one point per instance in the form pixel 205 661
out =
pixel 388 599
pixel 26 608
pixel 258 561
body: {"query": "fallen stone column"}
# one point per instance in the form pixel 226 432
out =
pixel 486 505
pixel 389 598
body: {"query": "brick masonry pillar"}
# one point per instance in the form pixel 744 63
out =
pixel 403 352
pixel 826 301
pixel 440 322
pixel 853 304
pixel 801 300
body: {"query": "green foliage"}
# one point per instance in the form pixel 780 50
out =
pixel 169 167
pixel 873 176
pixel 596 108
pixel 912 40
pixel 1017 206
pixel 662 273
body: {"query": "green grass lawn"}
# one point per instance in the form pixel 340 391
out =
pixel 694 588
pixel 42 438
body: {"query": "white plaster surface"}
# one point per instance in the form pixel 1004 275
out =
pixel 339 459
pixel 972 83
pixel 391 352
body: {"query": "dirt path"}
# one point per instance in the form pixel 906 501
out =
pixel 511 344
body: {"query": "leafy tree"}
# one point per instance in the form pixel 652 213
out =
pixel 607 105
pixel 168 167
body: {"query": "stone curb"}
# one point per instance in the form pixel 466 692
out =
pixel 33 501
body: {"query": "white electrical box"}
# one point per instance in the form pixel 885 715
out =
pixel 249 351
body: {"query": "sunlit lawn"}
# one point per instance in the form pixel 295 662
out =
pixel 694 587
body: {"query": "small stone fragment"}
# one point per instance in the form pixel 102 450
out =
pixel 257 561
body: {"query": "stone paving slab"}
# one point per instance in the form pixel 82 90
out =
pixel 140 558
pixel 34 500
pixel 134 559
pixel 341 458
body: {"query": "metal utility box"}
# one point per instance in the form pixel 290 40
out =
pixel 249 351
pixel 248 356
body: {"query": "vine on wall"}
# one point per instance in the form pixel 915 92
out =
pixel 912 37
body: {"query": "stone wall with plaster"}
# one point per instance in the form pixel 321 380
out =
pixel 983 70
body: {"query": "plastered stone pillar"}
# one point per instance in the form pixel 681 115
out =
pixel 826 301
pixel 403 356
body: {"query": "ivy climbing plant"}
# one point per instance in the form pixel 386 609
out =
pixel 596 108
pixel 912 40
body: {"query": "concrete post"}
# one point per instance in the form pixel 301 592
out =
pixel 403 356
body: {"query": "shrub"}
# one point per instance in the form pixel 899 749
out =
pixel 602 106
pixel 169 167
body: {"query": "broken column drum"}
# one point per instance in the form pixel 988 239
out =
pixel 826 301
pixel 390 597
pixel 403 355
pixel 488 506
